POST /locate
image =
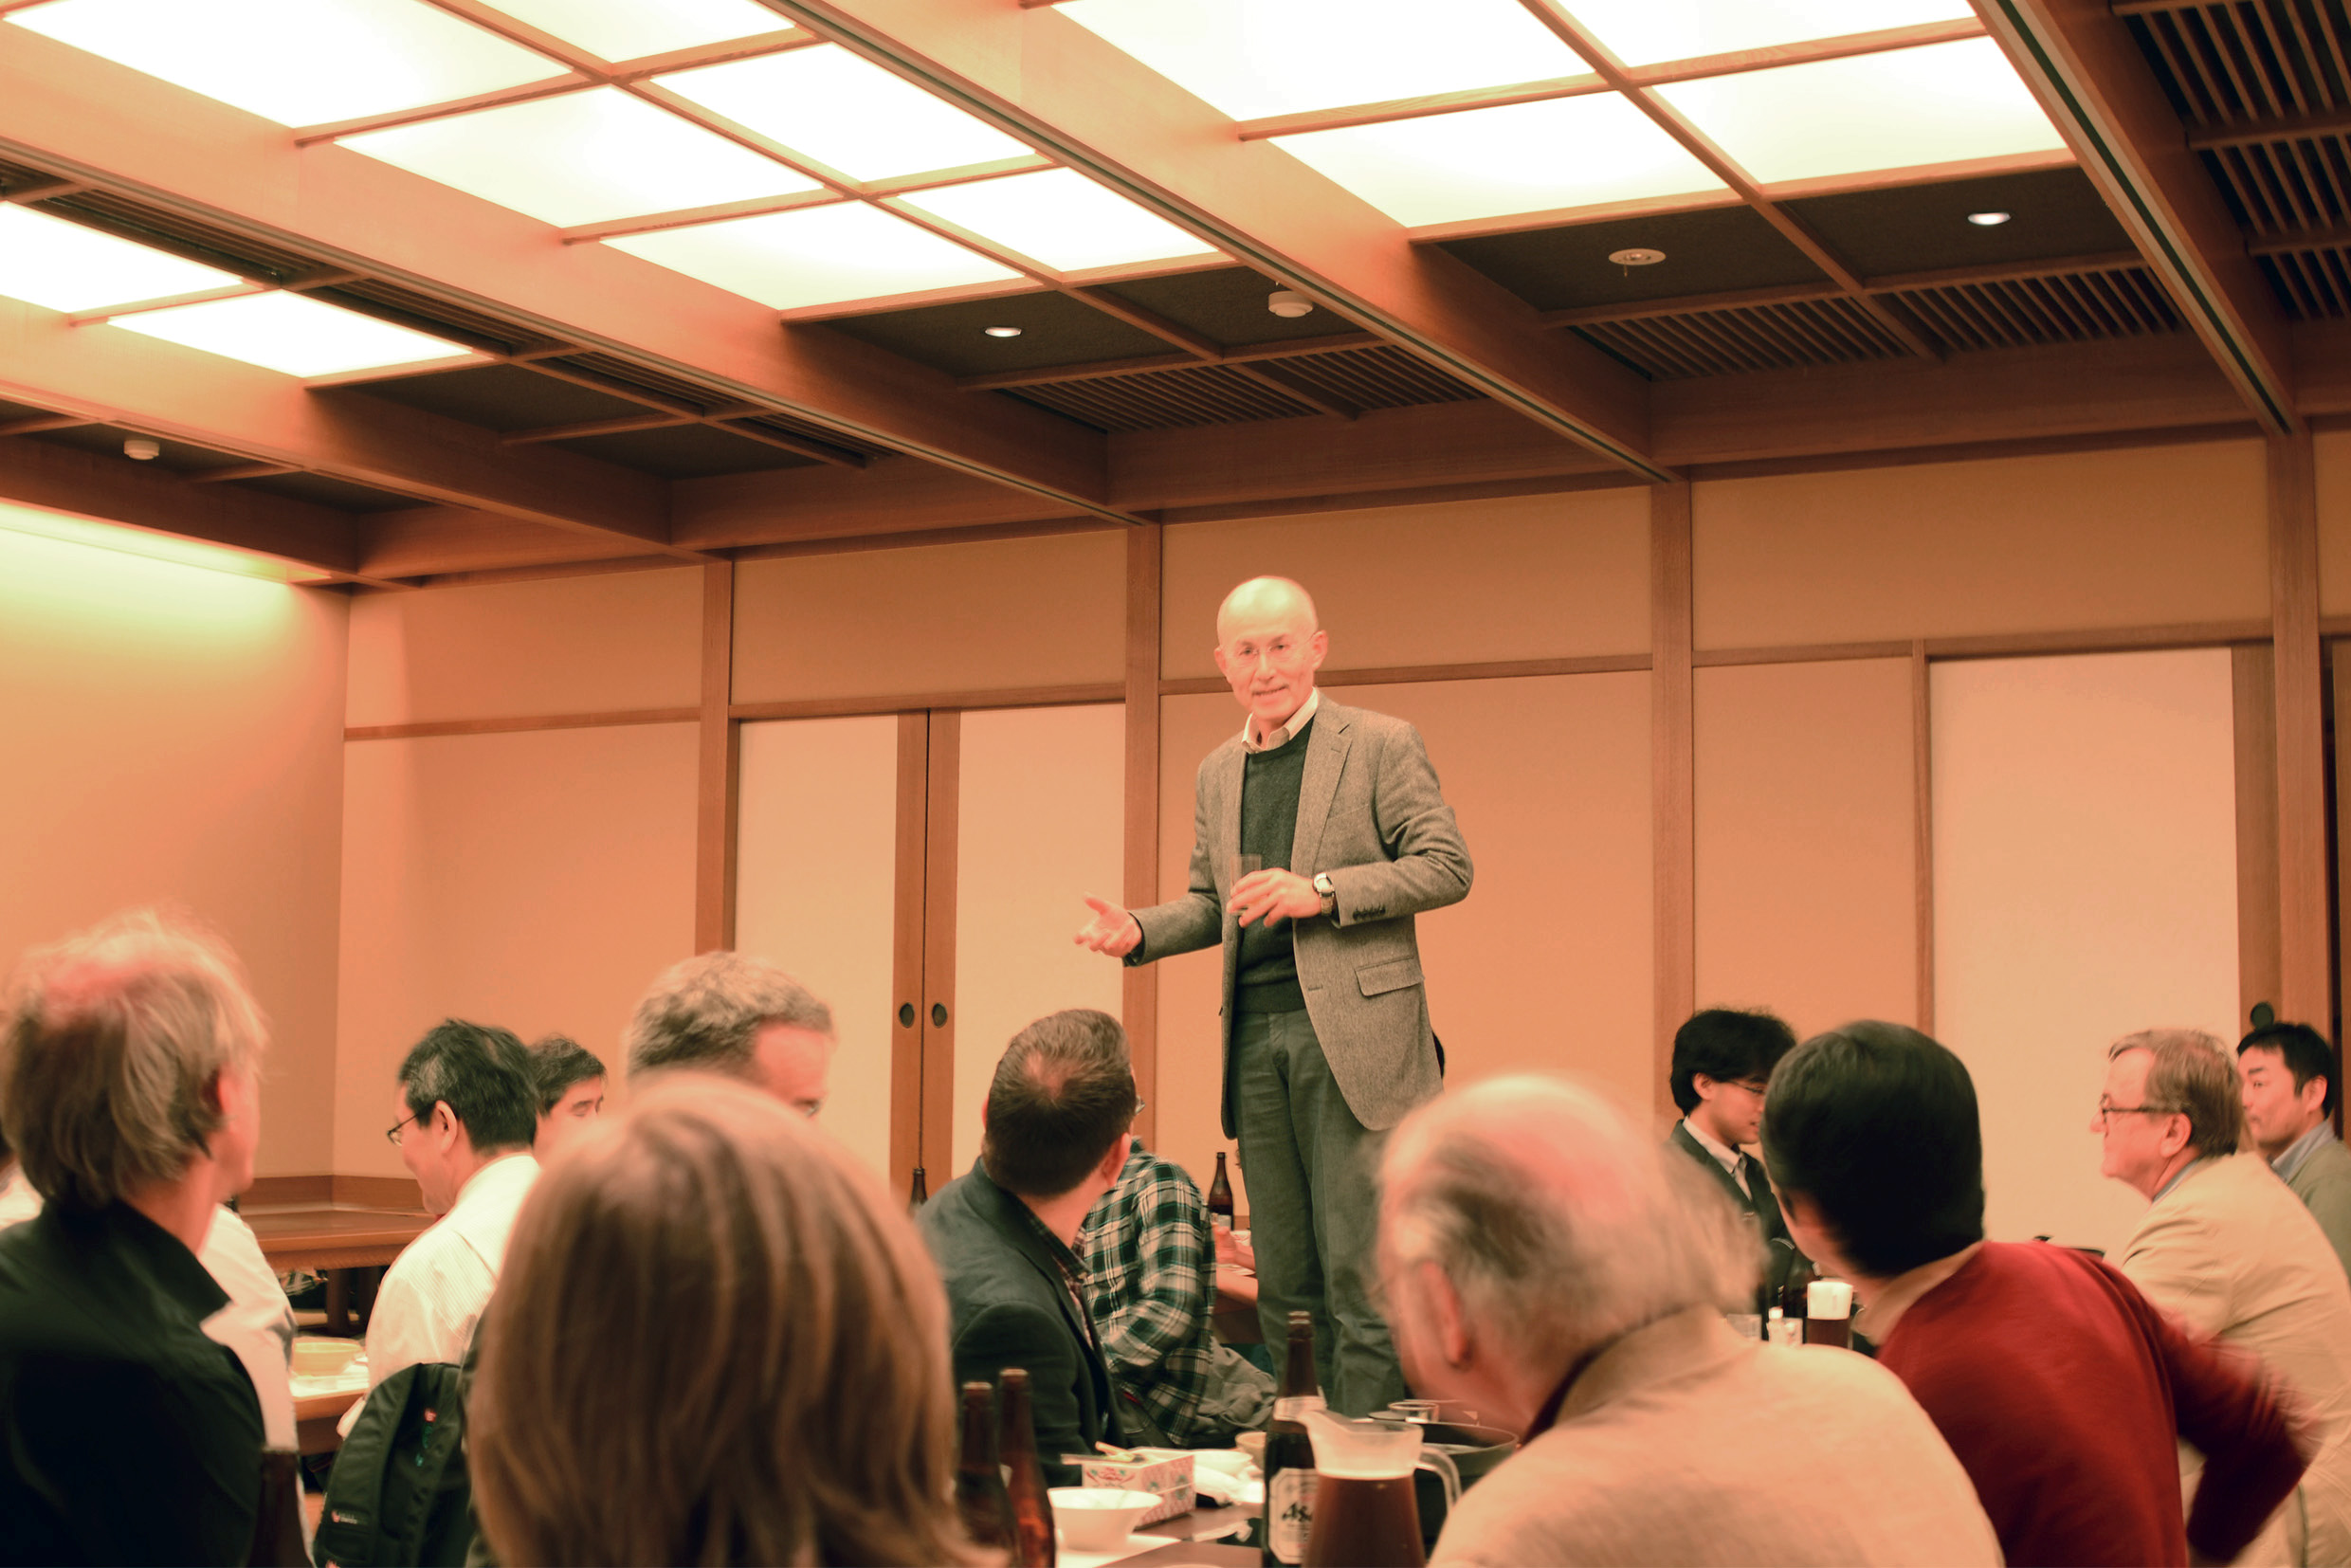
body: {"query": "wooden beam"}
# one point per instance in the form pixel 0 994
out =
pixel 40 423
pixel 906 926
pixel 530 724
pixel 717 798
pixel 2305 931
pixel 2081 61
pixel 242 471
pixel 1672 781
pixel 2300 241
pixel 1042 78
pixel 1139 887
pixel 2328 122
pixel 1294 348
pixel 578 428
pixel 2253 703
pixel 942 824
pixel 1923 833
pixel 435 540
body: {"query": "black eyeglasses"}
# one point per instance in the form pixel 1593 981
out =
pixel 391 1133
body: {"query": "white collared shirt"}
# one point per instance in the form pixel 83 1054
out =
pixel 434 1292
pixel 1281 737
pixel 1723 1153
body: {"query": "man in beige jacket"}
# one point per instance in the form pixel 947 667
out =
pixel 2229 1248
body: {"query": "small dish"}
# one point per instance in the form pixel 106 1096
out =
pixel 1095 1519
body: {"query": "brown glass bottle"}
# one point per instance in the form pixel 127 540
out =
pixel 980 1503
pixel 1290 1452
pixel 1033 1544
pixel 918 1193
pixel 1220 1195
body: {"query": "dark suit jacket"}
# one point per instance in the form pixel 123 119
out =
pixel 1009 1306
pixel 1763 1208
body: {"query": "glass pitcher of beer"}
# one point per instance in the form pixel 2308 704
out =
pixel 1364 1514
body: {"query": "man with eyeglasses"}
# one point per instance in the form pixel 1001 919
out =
pixel 2227 1246
pixel 1723 1061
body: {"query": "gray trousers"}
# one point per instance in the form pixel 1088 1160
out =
pixel 1311 1170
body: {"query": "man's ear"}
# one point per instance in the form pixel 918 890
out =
pixel 1446 1318
pixel 2312 1094
pixel 1115 1161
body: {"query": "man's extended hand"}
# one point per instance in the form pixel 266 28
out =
pixel 1112 930
pixel 1263 895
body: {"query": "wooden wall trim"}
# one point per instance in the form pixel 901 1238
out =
pixel 1923 828
pixel 943 823
pixel 916 538
pixel 516 727
pixel 1497 669
pixel 1140 986
pixel 1672 779
pixel 1010 697
pixel 718 768
pixel 2253 704
pixel 322 1189
pixel 2122 639
pixel 906 927
pixel 2306 971
pixel 1797 653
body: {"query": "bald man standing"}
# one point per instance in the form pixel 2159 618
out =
pixel 1318 833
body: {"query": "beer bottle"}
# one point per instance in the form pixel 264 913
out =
pixel 1220 1195
pixel 1290 1452
pixel 1033 1544
pixel 980 1503
pixel 918 1194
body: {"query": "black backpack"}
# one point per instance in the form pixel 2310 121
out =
pixel 399 1494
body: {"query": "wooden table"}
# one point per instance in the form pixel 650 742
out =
pixel 316 1418
pixel 334 1242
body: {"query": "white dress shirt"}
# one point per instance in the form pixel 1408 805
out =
pixel 1281 733
pixel 1723 1153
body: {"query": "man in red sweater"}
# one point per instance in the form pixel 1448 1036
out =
pixel 2058 1385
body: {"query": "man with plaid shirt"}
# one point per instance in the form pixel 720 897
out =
pixel 1151 1280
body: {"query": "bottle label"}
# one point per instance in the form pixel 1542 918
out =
pixel 1222 1222
pixel 1289 1513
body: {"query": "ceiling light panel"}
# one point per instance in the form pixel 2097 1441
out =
pixel 845 114
pixel 817 256
pixel 295 62
pixel 1643 32
pixel 1903 109
pixel 629 29
pixel 61 266
pixel 1253 58
pixel 120 538
pixel 1487 163
pixel 581 157
pixel 1059 217
pixel 292 334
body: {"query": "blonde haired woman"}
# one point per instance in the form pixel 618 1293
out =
pixel 716 1341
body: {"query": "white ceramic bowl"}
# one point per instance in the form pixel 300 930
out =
pixel 323 1357
pixel 1252 1444
pixel 1095 1519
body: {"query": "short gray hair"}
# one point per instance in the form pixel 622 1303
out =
pixel 1558 1223
pixel 110 1039
pixel 706 1011
pixel 2192 1074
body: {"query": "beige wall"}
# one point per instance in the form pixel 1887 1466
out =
pixel 994 615
pixel 174 736
pixel 1529 578
pixel 1807 874
pixel 534 880
pixel 624 640
pixel 2331 458
pixel 2144 537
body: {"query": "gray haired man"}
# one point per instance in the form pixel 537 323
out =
pixel 739 1016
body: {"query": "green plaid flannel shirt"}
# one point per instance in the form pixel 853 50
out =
pixel 1151 1277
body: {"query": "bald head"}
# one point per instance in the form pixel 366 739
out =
pixel 1268 604
pixel 1268 645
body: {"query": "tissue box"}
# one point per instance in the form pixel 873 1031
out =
pixel 1166 1474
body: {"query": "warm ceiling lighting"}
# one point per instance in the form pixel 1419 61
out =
pixel 1059 217
pixel 1253 58
pixel 1642 33
pixel 629 29
pixel 1002 332
pixel 847 114
pixel 1288 304
pixel 817 256
pixel 1899 109
pixel 295 62
pixel 290 333
pixel 1486 163
pixel 1988 220
pixel 61 266
pixel 1639 255
pixel 581 158
pixel 127 541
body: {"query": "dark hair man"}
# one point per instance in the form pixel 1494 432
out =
pixel 1723 1059
pixel 2060 1388
pixel 467 1113
pixel 2291 1077
pixel 1005 1233
pixel 569 1081
pixel 740 1016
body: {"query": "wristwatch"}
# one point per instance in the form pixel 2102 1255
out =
pixel 1329 893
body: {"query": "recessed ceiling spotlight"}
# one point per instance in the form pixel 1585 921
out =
pixel 140 450
pixel 1988 220
pixel 1288 302
pixel 1637 256
pixel 1001 332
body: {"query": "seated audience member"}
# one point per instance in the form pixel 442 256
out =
pixel 731 1013
pixel 1721 1061
pixel 1054 1139
pixel 467 1116
pixel 2226 1247
pixel 1150 1258
pixel 2291 1084
pixel 129 1060
pixel 1545 1262
pixel 2060 1387
pixel 570 1084
pixel 718 1341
